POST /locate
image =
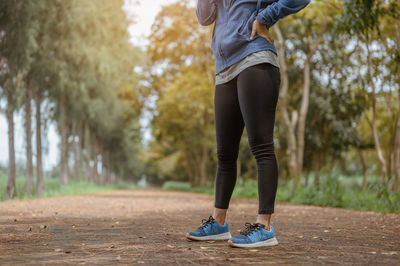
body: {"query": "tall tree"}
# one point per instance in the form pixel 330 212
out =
pixel 183 127
pixel 16 45
pixel 39 167
pixel 364 19
pixel 28 132
pixel 306 34
pixel 11 187
pixel 64 140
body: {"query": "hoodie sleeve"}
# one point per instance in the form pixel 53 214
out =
pixel 279 9
pixel 206 11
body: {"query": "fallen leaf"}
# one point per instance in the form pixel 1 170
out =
pixel 43 226
pixel 170 246
pixel 326 231
pixel 390 253
pixel 58 250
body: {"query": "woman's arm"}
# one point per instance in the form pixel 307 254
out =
pixel 279 9
pixel 206 11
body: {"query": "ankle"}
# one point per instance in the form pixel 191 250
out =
pixel 221 222
pixel 264 219
pixel 220 216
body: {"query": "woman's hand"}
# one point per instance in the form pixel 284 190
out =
pixel 260 29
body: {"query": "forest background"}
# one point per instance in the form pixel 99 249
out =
pixel 135 113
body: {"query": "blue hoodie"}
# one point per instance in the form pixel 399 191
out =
pixel 233 24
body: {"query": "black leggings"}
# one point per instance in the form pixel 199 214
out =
pixel 249 99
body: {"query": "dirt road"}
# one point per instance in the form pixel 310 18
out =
pixel 147 226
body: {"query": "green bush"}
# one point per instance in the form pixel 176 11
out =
pixel 54 188
pixel 176 185
pixel 334 191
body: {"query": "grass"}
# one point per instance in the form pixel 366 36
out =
pixel 339 191
pixel 53 188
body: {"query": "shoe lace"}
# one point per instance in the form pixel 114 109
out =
pixel 206 222
pixel 250 228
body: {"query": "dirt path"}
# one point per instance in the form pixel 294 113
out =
pixel 147 226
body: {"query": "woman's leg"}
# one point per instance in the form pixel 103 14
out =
pixel 258 92
pixel 229 127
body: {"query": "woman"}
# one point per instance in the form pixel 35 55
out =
pixel 246 94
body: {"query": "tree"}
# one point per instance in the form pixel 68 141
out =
pixel 16 46
pixel 366 20
pixel 183 125
pixel 306 33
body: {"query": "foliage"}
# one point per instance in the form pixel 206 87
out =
pixel 54 188
pixel 78 50
pixel 181 79
pixel 334 191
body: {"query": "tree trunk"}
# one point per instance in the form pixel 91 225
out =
pixel 39 167
pixel 107 165
pixel 295 148
pixel 317 170
pixel 95 159
pixel 28 132
pixel 103 165
pixel 396 155
pixel 88 156
pixel 79 148
pixel 11 187
pixel 302 120
pixel 372 123
pixel 305 103
pixel 364 167
pixel 392 126
pixel 76 148
pixel 191 168
pixel 290 123
pixel 64 140
pixel 204 153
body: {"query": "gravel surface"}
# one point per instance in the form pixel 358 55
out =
pixel 148 226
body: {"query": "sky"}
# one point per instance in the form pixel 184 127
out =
pixel 144 12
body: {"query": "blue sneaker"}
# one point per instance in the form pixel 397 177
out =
pixel 210 230
pixel 254 235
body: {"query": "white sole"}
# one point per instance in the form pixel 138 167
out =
pixel 266 243
pixel 224 236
